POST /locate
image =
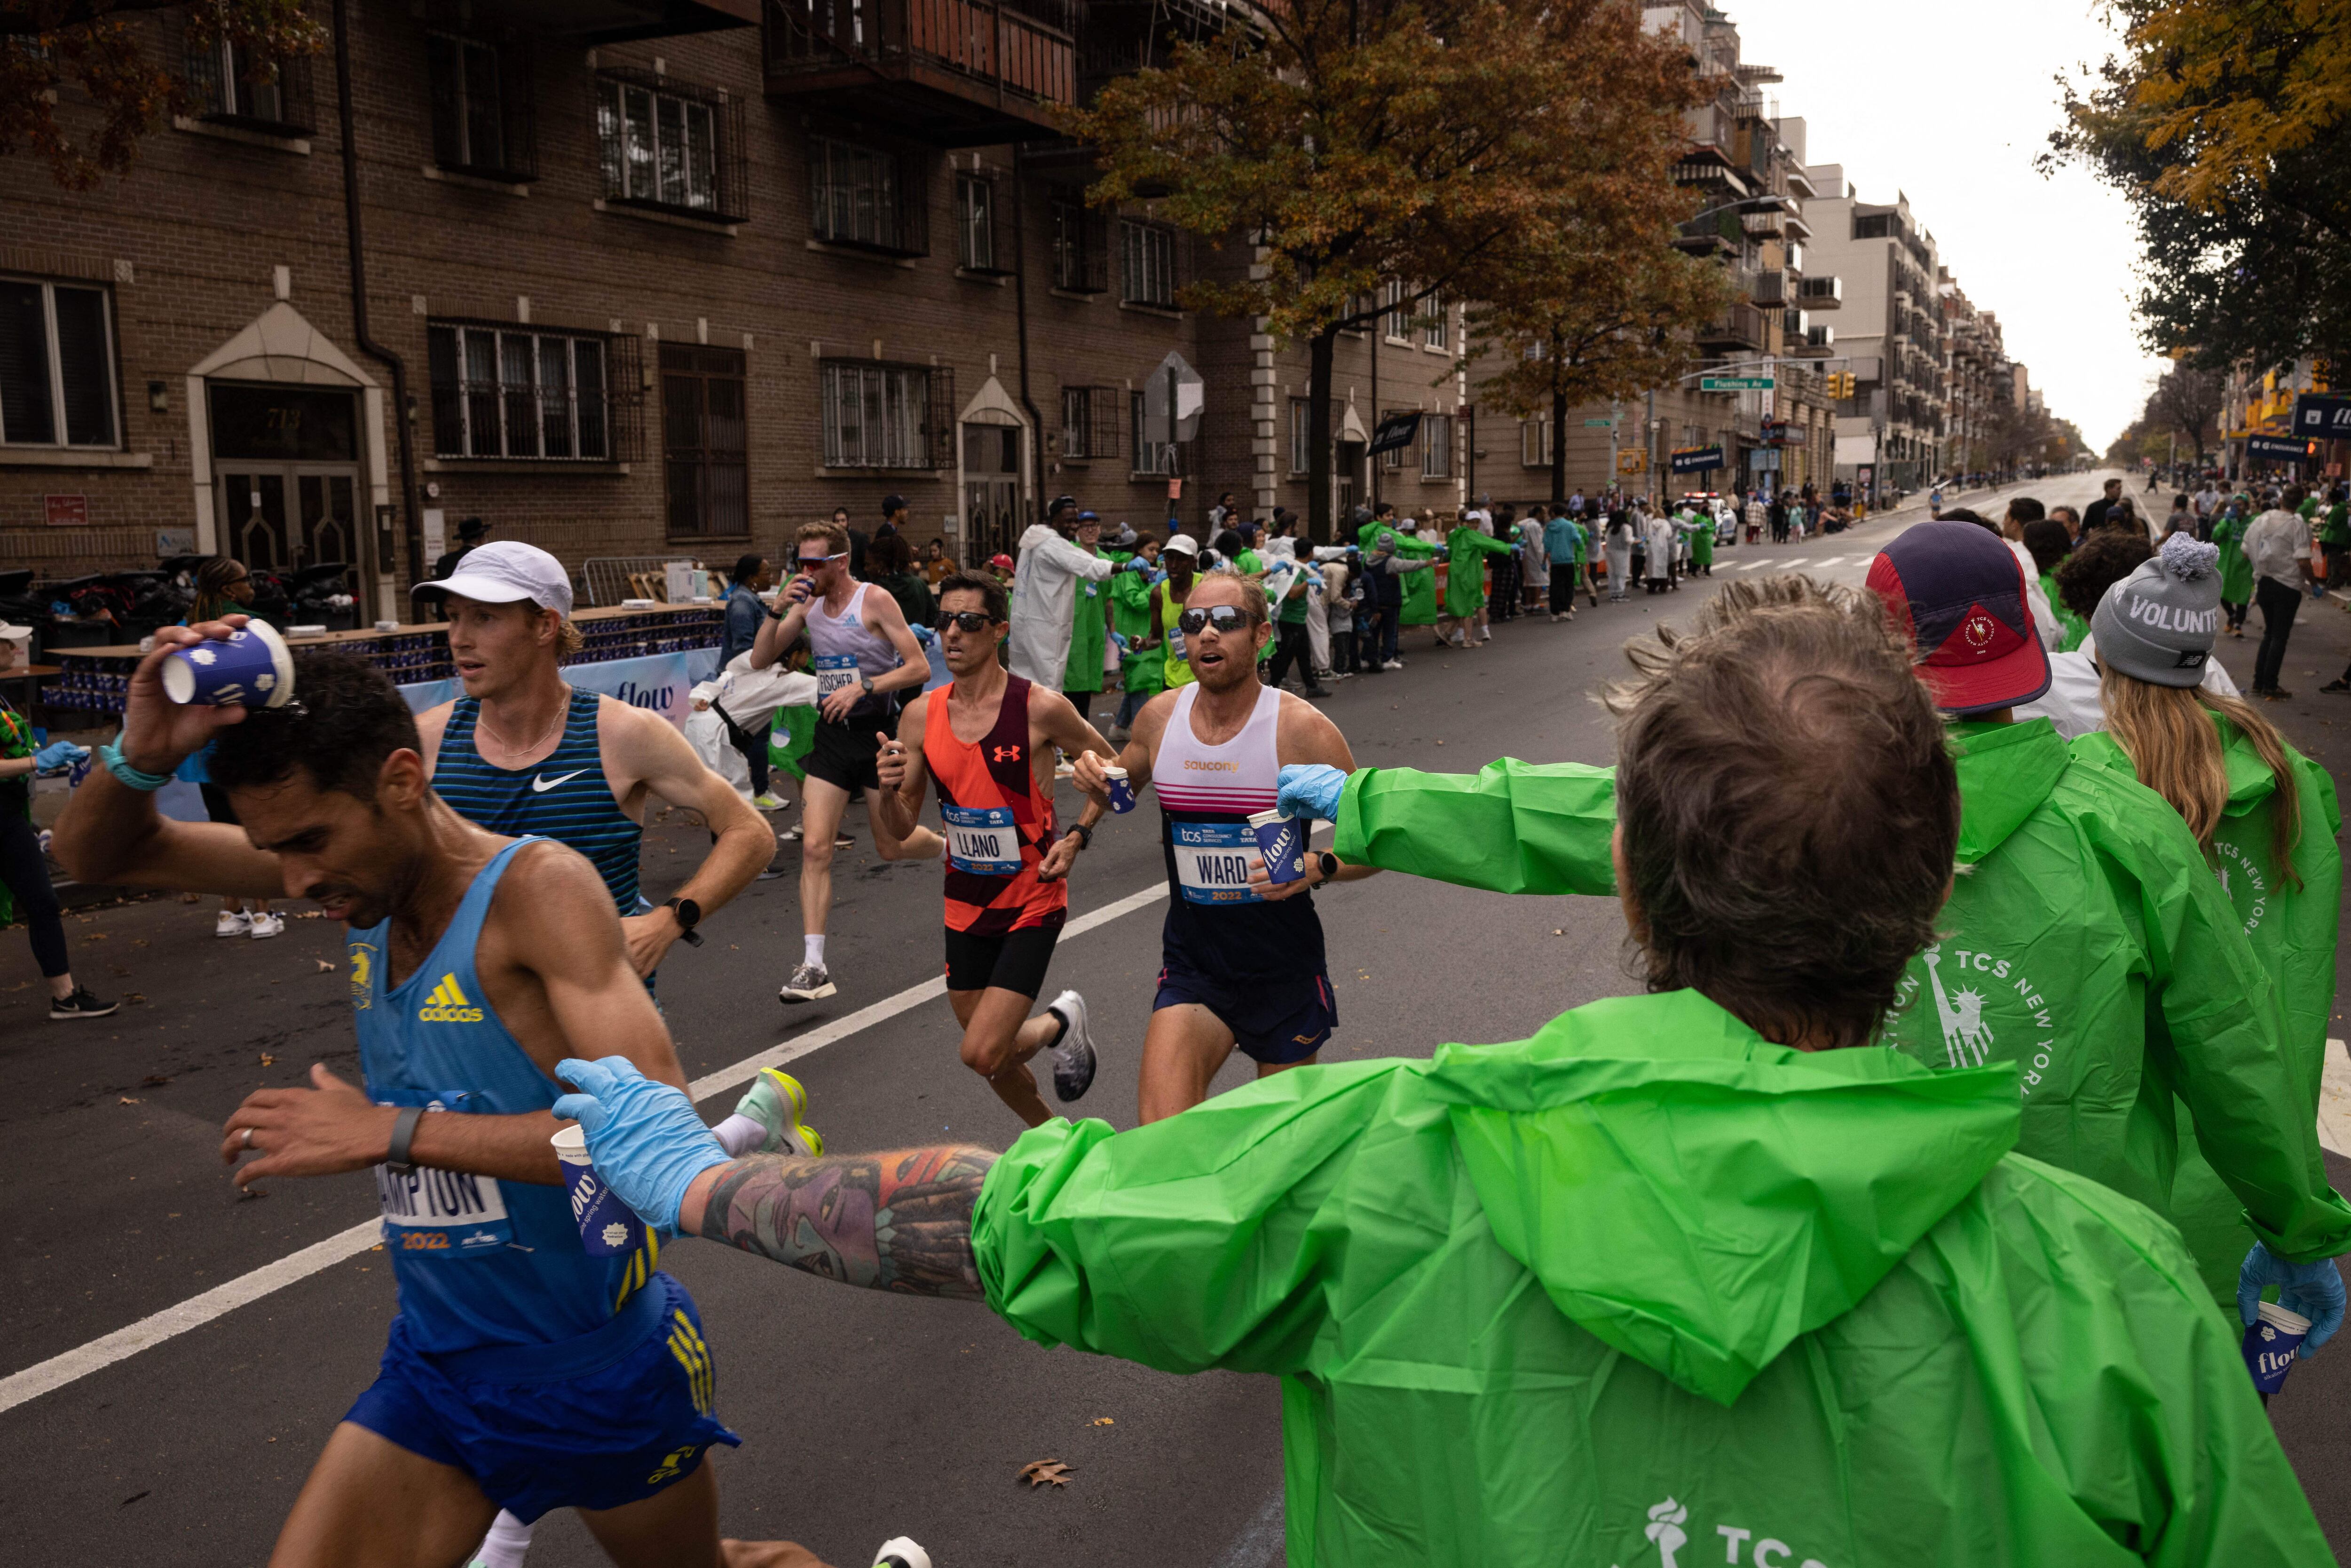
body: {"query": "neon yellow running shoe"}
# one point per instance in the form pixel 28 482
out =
pixel 778 1103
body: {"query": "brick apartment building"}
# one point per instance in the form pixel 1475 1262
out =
pixel 646 278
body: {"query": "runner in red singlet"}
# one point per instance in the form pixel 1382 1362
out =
pixel 987 741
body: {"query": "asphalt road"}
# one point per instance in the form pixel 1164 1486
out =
pixel 863 1417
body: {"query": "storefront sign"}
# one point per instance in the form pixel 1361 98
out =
pixel 65 511
pixel 2323 417
pixel 2280 448
pixel 1696 459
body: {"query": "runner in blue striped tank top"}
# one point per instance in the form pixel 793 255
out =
pixel 520 1372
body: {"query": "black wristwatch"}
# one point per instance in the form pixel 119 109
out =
pixel 1327 862
pixel 396 1156
pixel 689 915
pixel 1085 836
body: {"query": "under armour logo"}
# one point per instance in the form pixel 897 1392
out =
pixel 1007 754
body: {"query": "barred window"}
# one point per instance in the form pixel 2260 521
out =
pixel 57 365
pixel 1080 258
pixel 665 144
pixel 860 196
pixel 482 120
pixel 705 441
pixel 1437 446
pixel 1393 459
pixel 1302 435
pixel 976 223
pixel 1146 265
pixel 234 86
pixel 879 416
pixel 1089 421
pixel 1146 456
pixel 515 391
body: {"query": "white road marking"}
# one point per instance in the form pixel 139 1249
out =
pixel 2334 1100
pixel 46 1376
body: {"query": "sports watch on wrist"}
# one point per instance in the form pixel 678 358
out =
pixel 396 1156
pixel 689 915
pixel 1327 862
pixel 1085 836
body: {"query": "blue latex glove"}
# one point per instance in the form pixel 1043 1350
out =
pixel 1309 789
pixel 1137 564
pixel 58 756
pixel 646 1138
pixel 2314 1289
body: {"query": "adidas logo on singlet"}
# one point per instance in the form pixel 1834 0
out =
pixel 447 1004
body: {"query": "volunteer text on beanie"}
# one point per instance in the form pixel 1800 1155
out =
pixel 2157 625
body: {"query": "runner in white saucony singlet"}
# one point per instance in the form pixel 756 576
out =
pixel 865 654
pixel 1240 968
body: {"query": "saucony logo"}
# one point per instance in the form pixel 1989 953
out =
pixel 541 784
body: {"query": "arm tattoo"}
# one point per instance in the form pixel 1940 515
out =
pixel 898 1221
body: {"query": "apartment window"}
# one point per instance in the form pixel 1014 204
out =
pixel 1301 436
pixel 668 145
pixel 1089 423
pixel 1433 323
pixel 1146 456
pixel 1081 256
pixel 861 196
pixel 1534 443
pixel 1393 459
pixel 57 366
pixel 976 224
pixel 1399 319
pixel 514 391
pixel 1437 446
pixel 482 121
pixel 886 416
pixel 1146 265
pixel 234 86
pixel 707 474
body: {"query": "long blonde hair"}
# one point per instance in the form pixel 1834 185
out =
pixel 2177 753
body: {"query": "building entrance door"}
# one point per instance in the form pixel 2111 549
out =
pixel 286 478
pixel 991 491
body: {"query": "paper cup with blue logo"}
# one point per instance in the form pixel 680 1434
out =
pixel 250 667
pixel 1282 840
pixel 2271 1341
pixel 608 1228
pixel 1121 790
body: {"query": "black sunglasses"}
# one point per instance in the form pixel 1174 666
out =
pixel 1227 619
pixel 968 620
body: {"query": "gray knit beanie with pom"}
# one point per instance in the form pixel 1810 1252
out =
pixel 2157 625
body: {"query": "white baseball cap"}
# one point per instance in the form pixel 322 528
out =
pixel 1183 544
pixel 20 635
pixel 505 571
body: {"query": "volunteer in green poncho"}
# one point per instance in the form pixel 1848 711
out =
pixel 2265 815
pixel 24 887
pixel 1419 586
pixel 1647 1283
pixel 1466 548
pixel 2236 570
pixel 2083 941
pixel 1142 667
pixel 1081 673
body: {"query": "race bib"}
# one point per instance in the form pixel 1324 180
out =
pixel 442 1214
pixel 982 840
pixel 1212 862
pixel 834 670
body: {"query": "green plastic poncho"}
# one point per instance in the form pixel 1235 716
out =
pixel 1130 609
pixel 1088 633
pixel 1701 533
pixel 1644 1285
pixel 15 794
pixel 1419 587
pixel 2293 922
pixel 2085 942
pixel 1464 571
pixel 2236 570
pixel 2071 627
pixel 790 733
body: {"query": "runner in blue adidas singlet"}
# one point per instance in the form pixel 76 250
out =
pixel 520 1372
pixel 1241 970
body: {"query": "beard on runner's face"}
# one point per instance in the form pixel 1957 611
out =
pixel 1221 662
pixel 334 849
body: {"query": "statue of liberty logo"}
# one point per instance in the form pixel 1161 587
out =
pixel 1665 1521
pixel 1967 1039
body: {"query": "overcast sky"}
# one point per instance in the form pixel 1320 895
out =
pixel 1951 104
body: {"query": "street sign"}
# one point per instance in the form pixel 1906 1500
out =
pixel 1696 459
pixel 2323 417
pixel 1395 433
pixel 1599 424
pixel 1735 383
pixel 2279 447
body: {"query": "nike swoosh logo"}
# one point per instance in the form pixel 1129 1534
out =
pixel 541 784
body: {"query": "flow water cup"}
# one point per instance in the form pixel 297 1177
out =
pixel 250 667
pixel 1122 792
pixel 608 1228
pixel 2271 1341
pixel 1282 840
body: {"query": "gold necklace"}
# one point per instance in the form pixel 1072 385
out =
pixel 562 712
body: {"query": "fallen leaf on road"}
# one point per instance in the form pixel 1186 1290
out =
pixel 192 898
pixel 134 995
pixel 93 936
pixel 1104 1421
pixel 267 1060
pixel 325 967
pixel 1036 1472
pixel 127 1100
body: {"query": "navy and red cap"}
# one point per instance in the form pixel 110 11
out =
pixel 1956 592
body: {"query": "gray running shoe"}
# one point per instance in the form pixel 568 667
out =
pixel 1074 1058
pixel 809 983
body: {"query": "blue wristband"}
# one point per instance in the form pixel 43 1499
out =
pixel 130 778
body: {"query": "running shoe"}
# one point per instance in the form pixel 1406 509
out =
pixel 266 924
pixel 1074 1058
pixel 233 923
pixel 809 983
pixel 901 1552
pixel 1393 664
pixel 778 1103
pixel 770 801
pixel 1065 768
pixel 81 1004
pixel 841 841
pixel 2336 687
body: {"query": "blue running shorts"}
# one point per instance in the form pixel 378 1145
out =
pixel 1276 1023
pixel 609 1418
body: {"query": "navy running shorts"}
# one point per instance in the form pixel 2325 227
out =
pixel 597 1422
pixel 1276 1023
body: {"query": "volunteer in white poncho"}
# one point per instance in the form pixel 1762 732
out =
pixel 1045 595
